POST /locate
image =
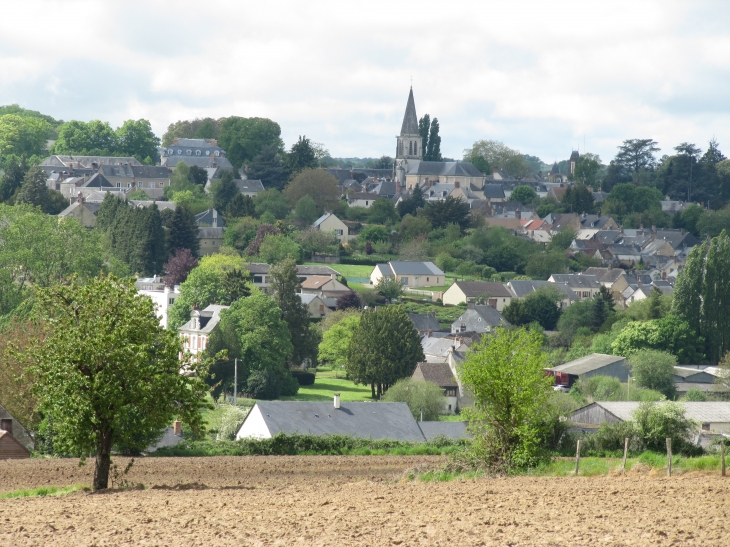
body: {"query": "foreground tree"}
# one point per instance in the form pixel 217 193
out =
pixel 109 374
pixel 423 398
pixel 505 374
pixel 384 348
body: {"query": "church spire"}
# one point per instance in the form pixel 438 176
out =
pixel 410 120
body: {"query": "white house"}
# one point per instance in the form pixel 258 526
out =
pixel 410 274
pixel 329 222
pixel 495 294
pixel 196 332
pixel 163 300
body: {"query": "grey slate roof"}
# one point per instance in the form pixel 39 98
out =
pixel 438 373
pixel 479 319
pixel 209 318
pixel 704 412
pixel 605 275
pixel 575 281
pixel 450 430
pixel 410 120
pixel 250 185
pixel 366 420
pixel 588 363
pixel 443 168
pixel 321 219
pixel 424 321
pixel 206 218
pixel 210 233
pixel 86 161
pixel 201 161
pixel 522 288
pixel 414 268
pixel 473 289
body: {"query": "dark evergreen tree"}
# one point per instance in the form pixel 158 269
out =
pixel 411 205
pixel 424 125
pixel 578 199
pixel 224 190
pixel 12 179
pixel 302 156
pixel 240 206
pixel 269 168
pixel 182 232
pixel 305 337
pixel 34 189
pixel 448 211
pixel 434 143
pixel 198 175
pixel 235 284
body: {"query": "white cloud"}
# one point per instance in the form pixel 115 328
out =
pixel 541 76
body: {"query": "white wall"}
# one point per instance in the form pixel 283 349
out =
pixel 162 301
pixel 254 427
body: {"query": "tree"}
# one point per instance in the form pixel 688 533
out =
pixel 205 128
pixel 586 170
pixel 34 189
pixel 690 153
pixel 253 331
pixel 182 231
pixel 542 306
pixel 245 138
pixel 384 348
pixel 382 211
pixel 506 376
pixel 390 287
pixel 670 334
pixel 22 135
pixel 423 398
pixel 516 313
pixel 433 152
pixel 318 184
pixel 526 195
pixel 424 126
pixel 335 342
pixel 302 156
pixel 543 265
pixel 654 423
pixel 637 154
pixel 15 168
pixel 411 205
pixel 654 370
pixel 306 210
pixel 271 202
pixel 702 295
pixel 240 206
pixel 578 199
pixel 94 137
pixel 204 286
pixel 349 300
pixel 268 167
pixel 198 175
pixel 494 153
pixel 224 190
pixel 277 248
pixel 178 266
pixel 305 337
pixel 562 240
pixel 136 138
pixel 105 345
pixel 448 211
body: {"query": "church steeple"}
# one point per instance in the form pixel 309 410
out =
pixel 409 140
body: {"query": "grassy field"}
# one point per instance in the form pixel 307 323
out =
pixel 326 385
pixel 352 270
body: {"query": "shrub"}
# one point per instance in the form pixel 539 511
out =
pixel 231 421
pixel 263 384
pixel 610 438
pixel 419 396
pixel 303 377
pixel 694 394
pixel 656 422
pixel 654 370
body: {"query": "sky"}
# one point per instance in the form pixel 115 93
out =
pixel 543 77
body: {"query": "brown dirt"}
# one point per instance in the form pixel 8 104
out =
pixel 342 501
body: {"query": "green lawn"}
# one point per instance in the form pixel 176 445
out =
pixel 326 385
pixel 352 270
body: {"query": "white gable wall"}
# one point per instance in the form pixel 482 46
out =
pixel 254 426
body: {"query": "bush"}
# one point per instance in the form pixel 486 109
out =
pixel 303 377
pixel 655 423
pixel 610 438
pixel 694 394
pixel 419 396
pixel 231 421
pixel 654 370
pixel 263 384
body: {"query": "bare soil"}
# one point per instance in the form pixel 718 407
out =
pixel 352 500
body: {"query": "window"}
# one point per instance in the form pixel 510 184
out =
pixel 172 301
pixel 162 184
pixel 366 203
pixel 449 407
pixel 170 152
pixel 119 184
pixel 410 148
pixel 586 294
pixel 129 185
pixel 427 280
pixel 321 308
pixel 404 280
pixel 463 327
pixel 197 152
pixel 217 153
pixel 258 279
pixel 415 148
pixel 207 152
pixel 188 152
pixel 338 232
pixel 179 152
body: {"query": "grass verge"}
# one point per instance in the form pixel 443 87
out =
pixel 44 491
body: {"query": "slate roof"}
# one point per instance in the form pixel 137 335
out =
pixel 209 318
pixel 493 191
pixel 249 185
pixel 438 373
pixel 704 412
pixel 316 270
pixel 522 288
pixel 321 219
pixel 161 205
pixel 478 318
pixel 450 430
pixel 201 161
pixel 206 218
pixel 415 268
pixel 443 168
pixel 385 189
pixel 58 160
pixel 575 281
pixel 605 275
pixel 93 207
pixel 365 420
pixel 410 120
pixel 588 363
pixel 472 289
pixel 424 322
pixel 210 233
pixel 677 239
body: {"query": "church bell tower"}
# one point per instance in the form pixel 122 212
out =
pixel 409 141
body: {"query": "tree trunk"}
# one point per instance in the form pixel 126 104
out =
pixel 103 461
pixel 380 390
pixel 372 389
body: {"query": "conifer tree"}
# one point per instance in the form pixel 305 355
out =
pixel 434 143
pixel 34 189
pixel 182 232
pixel 424 125
pixel 224 190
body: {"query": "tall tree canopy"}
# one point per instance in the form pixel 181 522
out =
pixel 448 211
pixel 109 374
pixel 244 138
pixel 302 155
pixel 318 184
pixel 21 135
pixel 268 167
pixel 205 128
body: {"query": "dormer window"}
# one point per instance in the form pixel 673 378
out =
pixel 207 152
pixel 170 152
pixel 217 153
pixel 197 152
pixel 179 152
pixel 189 152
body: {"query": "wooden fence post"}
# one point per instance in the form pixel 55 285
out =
pixel 669 457
pixel 577 458
pixel 626 450
pixel 722 457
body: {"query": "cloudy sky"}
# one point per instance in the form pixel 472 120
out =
pixel 543 77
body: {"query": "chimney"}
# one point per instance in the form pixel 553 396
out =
pixel 215 218
pixel 7 425
pixel 175 141
pixel 337 400
pixel 81 197
pixel 177 426
pixel 653 228
pixel 430 332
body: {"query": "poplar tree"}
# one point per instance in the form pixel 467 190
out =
pixel 434 142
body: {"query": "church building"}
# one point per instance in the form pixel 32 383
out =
pixel 454 178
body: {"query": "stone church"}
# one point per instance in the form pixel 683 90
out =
pixel 457 178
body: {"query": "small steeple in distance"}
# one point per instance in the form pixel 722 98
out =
pixel 409 141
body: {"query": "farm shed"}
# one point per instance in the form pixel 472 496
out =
pixel 712 416
pixel 16 429
pixel 695 375
pixel 595 364
pixel 366 420
pixel 10 448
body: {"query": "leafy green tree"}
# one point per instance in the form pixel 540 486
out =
pixel 654 423
pixel 543 265
pixel 224 190
pixel 198 175
pixel 516 313
pixel 240 206
pixel 136 138
pixel 390 287
pixel 411 205
pixel 277 248
pixel 635 155
pixel 490 154
pixel 182 231
pixel 306 210
pixel 576 316
pixel 305 337
pixel 695 395
pixel 382 211
pixel 90 371
pixel 271 202
pixel 245 138
pixel 670 334
pixel 586 171
pixel 448 211
pixel 424 126
pixel 562 240
pixel 335 344
pixel 542 306
pixel 22 135
pixel 204 286
pixel 302 156
pixel 689 218
pixel 318 184
pixel 384 348
pixel 578 199
pixel 423 398
pixel 654 370
pixel 253 331
pixel 373 233
pixel 506 377
pixel 526 195
pixel 433 151
pixel 92 138
pixel 34 189
pixel 15 168
pixel 268 167
pixel 205 128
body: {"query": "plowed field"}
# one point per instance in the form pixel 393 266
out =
pixel 341 501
